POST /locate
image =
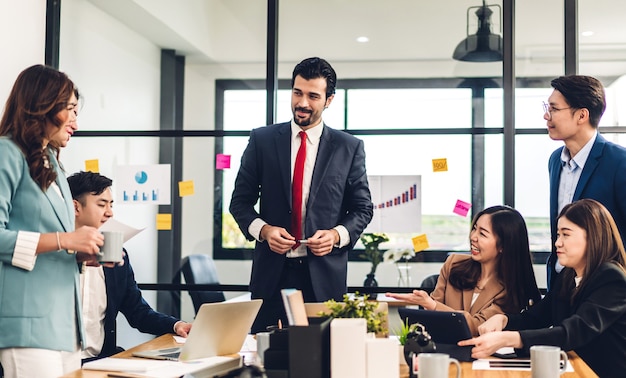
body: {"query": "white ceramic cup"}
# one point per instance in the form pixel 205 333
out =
pixel 262 343
pixel 436 365
pixel 545 361
pixel 111 251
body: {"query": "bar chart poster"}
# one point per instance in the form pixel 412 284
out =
pixel 397 204
pixel 143 184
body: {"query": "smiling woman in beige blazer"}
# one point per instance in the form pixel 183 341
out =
pixel 497 276
pixel 40 324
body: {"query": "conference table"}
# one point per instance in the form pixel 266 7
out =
pixel 581 370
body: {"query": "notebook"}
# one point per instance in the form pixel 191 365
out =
pixel 445 329
pixel 219 329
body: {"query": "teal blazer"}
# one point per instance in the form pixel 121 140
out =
pixel 39 308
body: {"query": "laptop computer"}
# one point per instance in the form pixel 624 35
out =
pixel 445 329
pixel 219 329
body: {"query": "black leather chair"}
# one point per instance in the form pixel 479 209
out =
pixel 430 282
pixel 200 269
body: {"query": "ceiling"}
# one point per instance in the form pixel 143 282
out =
pixel 234 31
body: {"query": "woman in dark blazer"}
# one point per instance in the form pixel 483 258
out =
pixel 586 310
pixel 497 276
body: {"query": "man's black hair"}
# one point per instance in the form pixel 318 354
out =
pixel 83 183
pixel 313 68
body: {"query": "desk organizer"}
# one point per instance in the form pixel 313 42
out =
pixel 309 349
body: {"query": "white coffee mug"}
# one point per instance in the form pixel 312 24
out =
pixel 545 361
pixel 111 251
pixel 262 343
pixel 435 365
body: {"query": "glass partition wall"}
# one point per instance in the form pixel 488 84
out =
pixel 399 89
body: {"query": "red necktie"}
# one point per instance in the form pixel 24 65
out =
pixel 296 191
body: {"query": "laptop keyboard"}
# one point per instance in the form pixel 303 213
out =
pixel 174 355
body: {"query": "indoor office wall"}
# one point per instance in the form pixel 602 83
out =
pixel 22 39
pixel 118 74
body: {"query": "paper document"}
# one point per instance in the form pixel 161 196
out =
pixel 162 368
pixel 508 364
pixel 113 225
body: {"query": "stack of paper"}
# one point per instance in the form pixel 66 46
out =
pixel 167 369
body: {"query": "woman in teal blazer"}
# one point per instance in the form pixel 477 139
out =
pixel 40 318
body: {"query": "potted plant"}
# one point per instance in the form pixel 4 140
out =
pixel 372 253
pixel 356 306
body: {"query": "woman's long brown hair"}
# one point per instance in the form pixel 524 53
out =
pixel 39 94
pixel 514 266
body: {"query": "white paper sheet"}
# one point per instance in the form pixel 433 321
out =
pixel 114 225
pixel 154 368
pixel 508 364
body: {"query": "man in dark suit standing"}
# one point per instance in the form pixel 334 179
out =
pixel 314 198
pixel 587 166
pixel 105 291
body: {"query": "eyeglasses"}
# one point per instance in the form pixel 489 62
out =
pixel 549 109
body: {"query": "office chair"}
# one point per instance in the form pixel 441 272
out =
pixel 200 269
pixel 430 282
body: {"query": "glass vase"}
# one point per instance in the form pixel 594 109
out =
pixel 404 274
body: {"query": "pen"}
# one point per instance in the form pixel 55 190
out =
pixel 122 375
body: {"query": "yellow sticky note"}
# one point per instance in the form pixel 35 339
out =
pixel 440 165
pixel 164 221
pixel 92 166
pixel 185 188
pixel 420 243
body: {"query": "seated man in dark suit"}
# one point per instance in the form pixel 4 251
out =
pixel 106 291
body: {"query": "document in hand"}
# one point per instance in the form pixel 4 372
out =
pixel 205 367
pixel 294 307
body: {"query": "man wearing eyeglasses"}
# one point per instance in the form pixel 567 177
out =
pixel 587 166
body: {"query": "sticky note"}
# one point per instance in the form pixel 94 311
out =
pixel 222 161
pixel 462 208
pixel 164 221
pixel 185 188
pixel 420 243
pixel 440 165
pixel 92 166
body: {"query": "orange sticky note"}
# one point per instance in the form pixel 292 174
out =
pixel 420 243
pixel 164 221
pixel 440 165
pixel 92 166
pixel 185 188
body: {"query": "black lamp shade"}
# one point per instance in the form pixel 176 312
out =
pixel 484 46
pixel 479 48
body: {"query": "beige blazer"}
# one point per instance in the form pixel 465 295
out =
pixel 449 298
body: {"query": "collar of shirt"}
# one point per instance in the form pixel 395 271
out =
pixel 582 155
pixel 313 134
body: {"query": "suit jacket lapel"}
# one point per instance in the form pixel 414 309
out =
pixel 324 157
pixel 59 204
pixel 491 290
pixel 590 165
pixel 283 155
pixel 555 176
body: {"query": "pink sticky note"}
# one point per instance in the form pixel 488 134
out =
pixel 222 161
pixel 462 208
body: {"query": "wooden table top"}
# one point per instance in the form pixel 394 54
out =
pixel 581 370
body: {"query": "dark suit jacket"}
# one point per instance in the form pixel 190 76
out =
pixel 124 296
pixel 449 298
pixel 603 179
pixel 339 195
pixel 594 325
